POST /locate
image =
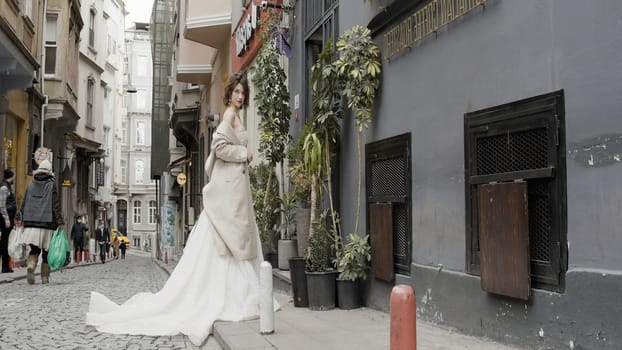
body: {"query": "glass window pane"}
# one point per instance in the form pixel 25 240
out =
pixel 50 60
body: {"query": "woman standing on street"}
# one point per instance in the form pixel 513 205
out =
pixel 41 215
pixel 217 277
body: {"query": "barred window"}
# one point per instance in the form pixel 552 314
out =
pixel 522 141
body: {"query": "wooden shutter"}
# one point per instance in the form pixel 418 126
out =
pixel 381 235
pixel 504 239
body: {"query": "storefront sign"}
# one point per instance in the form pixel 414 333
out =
pixel 247 38
pixel 425 21
pixel 245 30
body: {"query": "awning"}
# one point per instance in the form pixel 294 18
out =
pixel 16 70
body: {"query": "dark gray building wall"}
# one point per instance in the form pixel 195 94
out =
pixel 510 51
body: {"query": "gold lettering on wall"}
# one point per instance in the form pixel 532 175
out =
pixel 425 21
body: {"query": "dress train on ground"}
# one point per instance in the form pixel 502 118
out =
pixel 204 287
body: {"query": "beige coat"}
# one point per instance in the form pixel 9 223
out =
pixel 227 196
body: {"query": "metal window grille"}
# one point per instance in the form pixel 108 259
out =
pixel 389 180
pixel 523 140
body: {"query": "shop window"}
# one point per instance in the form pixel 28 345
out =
pixel 519 142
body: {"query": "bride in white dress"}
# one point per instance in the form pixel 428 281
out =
pixel 217 277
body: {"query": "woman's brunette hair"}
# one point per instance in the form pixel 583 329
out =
pixel 234 80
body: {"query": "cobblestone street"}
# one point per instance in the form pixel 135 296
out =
pixel 52 316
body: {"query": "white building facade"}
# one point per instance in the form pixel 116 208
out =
pixel 134 191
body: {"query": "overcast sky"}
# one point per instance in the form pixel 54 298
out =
pixel 139 11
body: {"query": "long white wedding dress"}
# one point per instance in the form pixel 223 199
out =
pixel 204 287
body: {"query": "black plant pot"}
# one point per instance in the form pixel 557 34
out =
pixel 322 290
pixel 299 281
pixel 348 294
pixel 272 258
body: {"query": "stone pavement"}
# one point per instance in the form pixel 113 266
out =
pixel 52 316
pixel 360 329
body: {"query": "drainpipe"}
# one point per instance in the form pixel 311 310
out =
pixel 45 97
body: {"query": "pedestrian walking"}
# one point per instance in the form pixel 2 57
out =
pixel 102 235
pixel 115 247
pixel 123 247
pixel 41 215
pixel 8 208
pixel 77 236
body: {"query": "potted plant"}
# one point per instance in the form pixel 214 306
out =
pixel 287 246
pixel 359 74
pixel 272 102
pixel 266 205
pixel 352 262
pixel 301 188
pixel 319 268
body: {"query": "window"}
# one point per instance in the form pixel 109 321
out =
pixel 142 65
pixel 140 133
pixel 50 43
pixel 139 172
pixel 124 133
pixel 141 99
pixel 109 45
pixel 92 28
pixel 137 209
pixel 153 211
pixel 90 87
pixel 520 142
pixel 123 170
pixel 388 190
pixel 27 8
pixel 320 25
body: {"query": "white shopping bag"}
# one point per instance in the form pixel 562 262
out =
pixel 17 250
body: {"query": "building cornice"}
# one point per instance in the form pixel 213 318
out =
pixel 194 69
pixel 208 21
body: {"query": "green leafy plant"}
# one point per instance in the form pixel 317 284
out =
pixel 318 257
pixel 298 175
pixel 287 207
pixel 313 151
pixel 353 261
pixel 272 102
pixel 327 112
pixel 266 204
pixel 359 71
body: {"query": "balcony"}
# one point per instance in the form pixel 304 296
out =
pixel 192 66
pixel 208 22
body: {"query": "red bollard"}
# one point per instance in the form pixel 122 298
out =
pixel 166 257
pixel 403 318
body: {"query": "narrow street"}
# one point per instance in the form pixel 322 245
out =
pixel 52 316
